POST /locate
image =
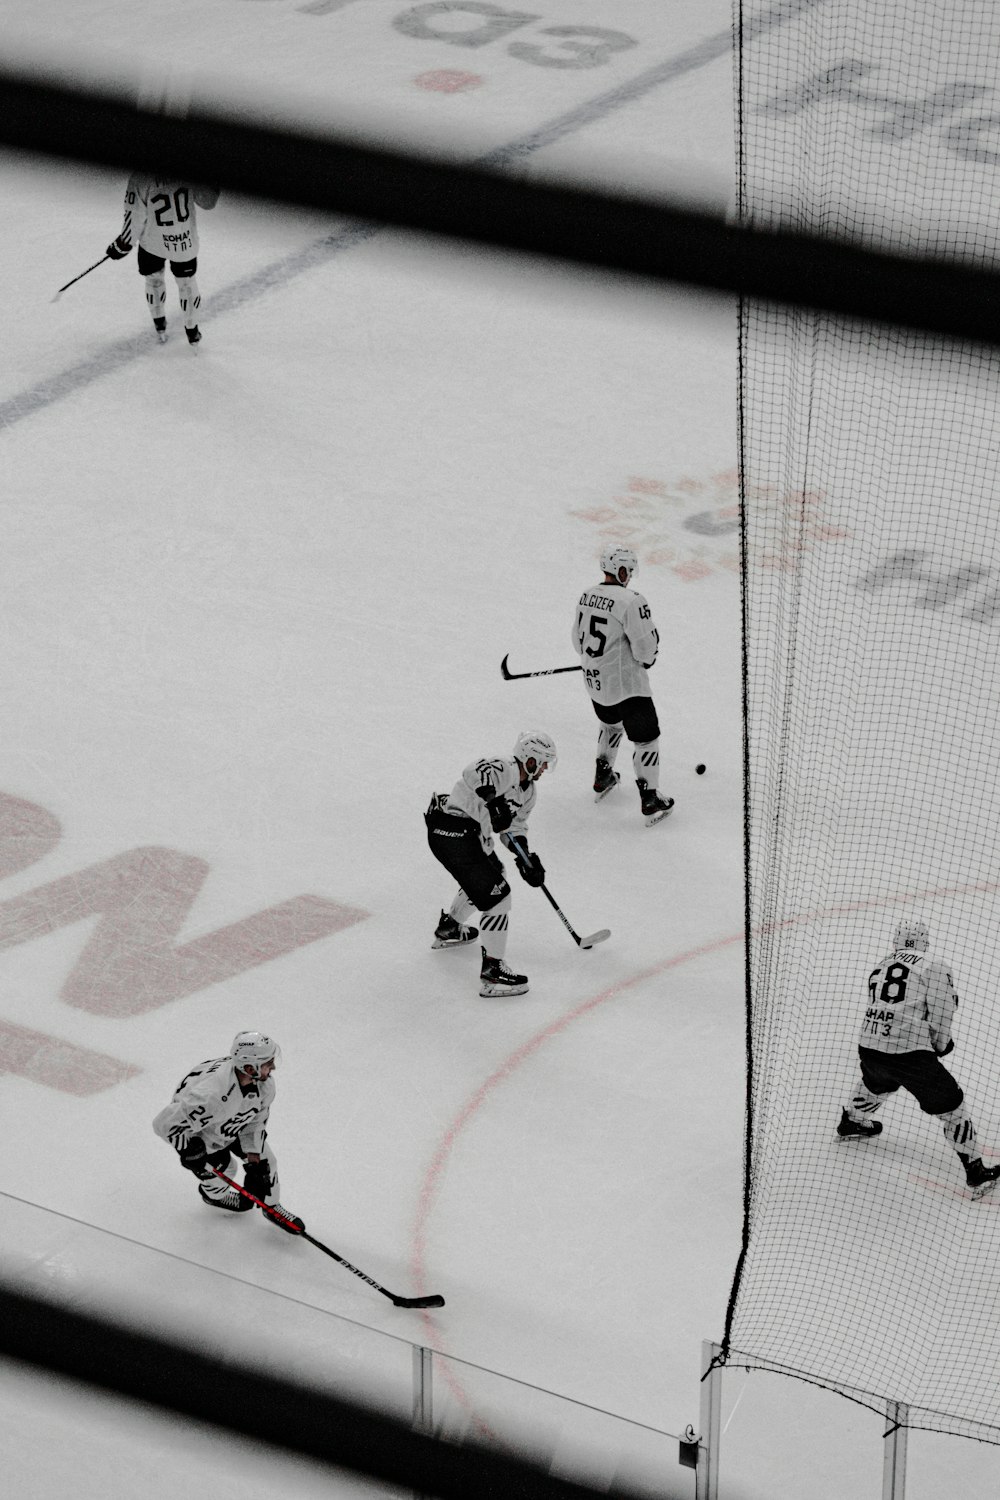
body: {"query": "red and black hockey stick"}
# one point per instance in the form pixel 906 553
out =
pixel 433 1301
pixel 548 672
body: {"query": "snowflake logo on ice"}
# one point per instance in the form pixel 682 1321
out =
pixel 692 526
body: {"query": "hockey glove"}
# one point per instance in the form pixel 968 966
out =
pixel 532 870
pixel 500 811
pixel 116 250
pixel 193 1155
pixel 943 1051
pixel 257 1178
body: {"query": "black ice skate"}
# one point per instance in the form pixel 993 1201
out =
pixel 193 335
pixel 496 979
pixel 452 934
pixel 605 779
pixel 980 1177
pixel 849 1129
pixel 654 807
pixel 160 324
pixel 288 1222
pixel 232 1201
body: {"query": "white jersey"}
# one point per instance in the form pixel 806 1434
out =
pixel 614 635
pixel 911 1005
pixel 161 216
pixel 503 778
pixel 210 1103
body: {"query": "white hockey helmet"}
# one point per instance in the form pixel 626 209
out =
pixel 252 1048
pixel 912 936
pixel 535 751
pixel 614 558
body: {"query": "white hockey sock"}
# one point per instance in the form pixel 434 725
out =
pixel 493 928
pixel 462 908
pixel 609 737
pixel 960 1132
pixel 646 763
pixel 863 1102
pixel 187 291
pixel 156 293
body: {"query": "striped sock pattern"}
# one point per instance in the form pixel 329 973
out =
pixel 646 763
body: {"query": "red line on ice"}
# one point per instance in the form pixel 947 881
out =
pixel 432 1177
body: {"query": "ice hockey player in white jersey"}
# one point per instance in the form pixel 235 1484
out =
pixel 161 219
pixel 220 1110
pixel 617 642
pixel 905 1032
pixel 490 797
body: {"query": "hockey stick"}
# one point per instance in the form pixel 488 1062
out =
pixel 592 938
pixel 80 277
pixel 433 1301
pixel 549 671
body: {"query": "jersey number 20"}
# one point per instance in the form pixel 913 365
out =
pixel 162 203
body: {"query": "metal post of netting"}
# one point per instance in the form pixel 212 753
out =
pixel 707 1472
pixel 423 1410
pixel 423 1392
pixel 894 1454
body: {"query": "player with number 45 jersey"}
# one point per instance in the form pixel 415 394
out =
pixel 614 636
pixel 905 1032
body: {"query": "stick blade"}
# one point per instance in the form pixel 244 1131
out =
pixel 595 937
pixel 435 1301
pixel 505 673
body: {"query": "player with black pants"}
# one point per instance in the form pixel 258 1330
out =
pixel 161 220
pixel 490 797
pixel 614 635
pixel 905 1032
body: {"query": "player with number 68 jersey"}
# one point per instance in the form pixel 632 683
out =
pixel 905 1032
pixel 911 1005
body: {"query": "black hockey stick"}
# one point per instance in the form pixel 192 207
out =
pixel 592 938
pixel 433 1301
pixel 80 277
pixel 549 671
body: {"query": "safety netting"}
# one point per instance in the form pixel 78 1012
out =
pixel 871 550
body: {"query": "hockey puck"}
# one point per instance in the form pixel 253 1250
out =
pixel 699 770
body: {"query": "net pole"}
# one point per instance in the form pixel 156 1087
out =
pixel 707 1472
pixel 894 1454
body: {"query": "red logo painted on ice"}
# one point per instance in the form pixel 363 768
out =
pixel 448 80
pixel 132 961
pixel 692 526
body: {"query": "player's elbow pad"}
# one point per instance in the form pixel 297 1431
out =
pixel 943 1051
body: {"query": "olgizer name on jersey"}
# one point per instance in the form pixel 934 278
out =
pixel 598 601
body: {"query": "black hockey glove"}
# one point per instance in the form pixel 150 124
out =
pixel 943 1051
pixel 116 250
pixel 532 870
pixel 257 1178
pixel 193 1155
pixel 500 811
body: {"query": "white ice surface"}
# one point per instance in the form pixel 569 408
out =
pixel 255 601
